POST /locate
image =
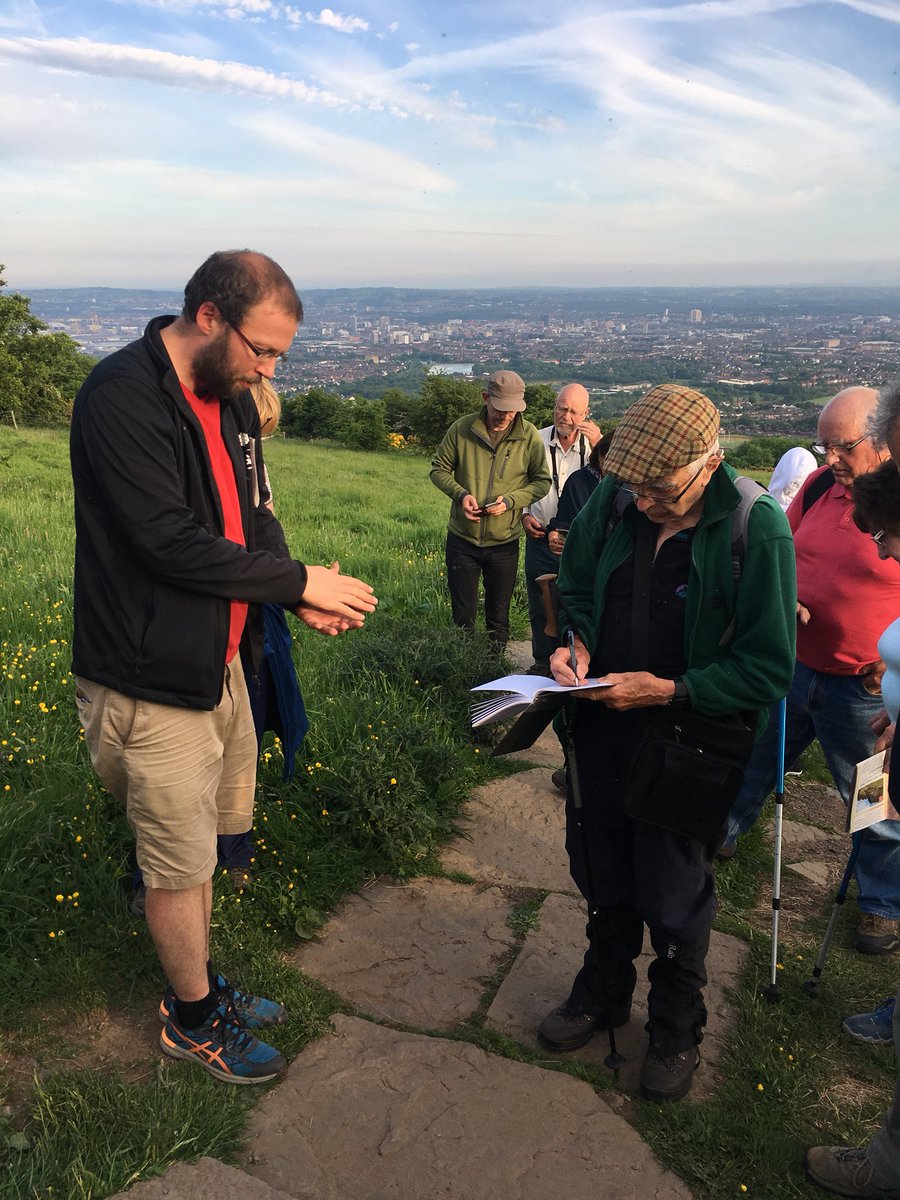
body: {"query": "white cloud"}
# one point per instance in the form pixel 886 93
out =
pixel 22 15
pixel 231 8
pixel 376 171
pixel 337 21
pixel 162 67
pixel 412 47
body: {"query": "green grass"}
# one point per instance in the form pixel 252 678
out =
pixel 379 783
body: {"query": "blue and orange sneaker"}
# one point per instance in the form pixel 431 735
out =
pixel 223 1046
pixel 256 1012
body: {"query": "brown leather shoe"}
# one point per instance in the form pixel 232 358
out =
pixel 566 1028
pixel 669 1078
pixel 846 1171
pixel 877 935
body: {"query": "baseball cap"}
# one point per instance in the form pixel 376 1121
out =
pixel 507 391
pixel 666 429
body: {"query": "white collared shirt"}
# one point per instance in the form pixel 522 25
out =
pixel 567 461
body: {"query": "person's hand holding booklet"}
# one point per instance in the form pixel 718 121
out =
pixel 511 695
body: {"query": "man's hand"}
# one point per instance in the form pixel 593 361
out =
pixel 323 622
pixel 555 541
pixel 498 506
pixel 591 431
pixel 880 722
pixel 802 613
pixel 561 665
pixel 871 677
pixel 336 596
pixel 884 742
pixel 471 508
pixel 533 528
pixel 633 689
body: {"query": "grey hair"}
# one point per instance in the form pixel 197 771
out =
pixel 885 414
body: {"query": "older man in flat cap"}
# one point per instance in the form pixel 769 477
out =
pixel 492 465
pixel 679 591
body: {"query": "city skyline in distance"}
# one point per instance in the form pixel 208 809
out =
pixel 727 143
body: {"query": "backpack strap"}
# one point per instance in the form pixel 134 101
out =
pixel 750 491
pixel 817 489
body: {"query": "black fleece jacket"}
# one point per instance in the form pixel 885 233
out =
pixel 154 574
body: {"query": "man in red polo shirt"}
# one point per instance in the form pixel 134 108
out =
pixel 174 551
pixel 847 596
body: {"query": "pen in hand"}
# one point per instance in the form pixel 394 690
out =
pixel 573 661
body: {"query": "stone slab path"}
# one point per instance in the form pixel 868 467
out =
pixel 396 1104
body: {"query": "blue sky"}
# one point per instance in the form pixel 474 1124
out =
pixel 582 142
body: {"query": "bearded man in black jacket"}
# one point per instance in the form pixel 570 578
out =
pixel 174 549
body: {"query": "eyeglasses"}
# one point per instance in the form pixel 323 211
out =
pixel 877 537
pixel 823 448
pixel 657 499
pixel 265 355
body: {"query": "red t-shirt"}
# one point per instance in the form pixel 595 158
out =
pixel 208 412
pixel 852 595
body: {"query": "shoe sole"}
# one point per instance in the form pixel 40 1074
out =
pixel 175 1051
pixel 869 948
pixel 649 1094
pixel 867 1040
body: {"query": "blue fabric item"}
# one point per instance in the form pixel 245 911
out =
pixel 289 721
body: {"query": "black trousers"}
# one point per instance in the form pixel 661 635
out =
pixel 467 563
pixel 539 560
pixel 639 875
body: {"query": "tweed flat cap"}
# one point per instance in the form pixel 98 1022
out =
pixel 507 391
pixel 666 429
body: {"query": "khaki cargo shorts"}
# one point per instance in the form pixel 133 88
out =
pixel 182 774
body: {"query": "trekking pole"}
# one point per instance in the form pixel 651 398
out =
pixel 772 992
pixel 614 1061
pixel 811 987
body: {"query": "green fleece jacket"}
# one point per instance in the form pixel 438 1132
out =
pixel 466 463
pixel 755 666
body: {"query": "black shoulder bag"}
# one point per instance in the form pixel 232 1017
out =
pixel 687 768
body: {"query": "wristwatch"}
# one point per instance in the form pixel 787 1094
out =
pixel 680 697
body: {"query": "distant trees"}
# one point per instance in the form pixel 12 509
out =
pixel 40 372
pixel 760 453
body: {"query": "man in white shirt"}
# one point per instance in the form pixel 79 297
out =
pixel 568 443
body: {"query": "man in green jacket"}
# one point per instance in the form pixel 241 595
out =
pixel 717 632
pixel 492 465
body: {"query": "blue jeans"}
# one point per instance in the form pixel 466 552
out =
pixel 837 710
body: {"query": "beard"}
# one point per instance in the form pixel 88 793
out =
pixel 214 373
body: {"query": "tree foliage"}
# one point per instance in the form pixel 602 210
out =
pixel 40 371
pixel 445 400
pixel 760 453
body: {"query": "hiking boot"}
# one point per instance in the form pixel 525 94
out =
pixel 726 851
pixel 567 1028
pixel 877 935
pixel 560 780
pixel 875 1028
pixel 668 1078
pixel 846 1171
pixel 224 1047
pixel 256 1012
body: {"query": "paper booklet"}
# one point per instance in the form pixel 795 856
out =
pixel 870 802
pixel 518 692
